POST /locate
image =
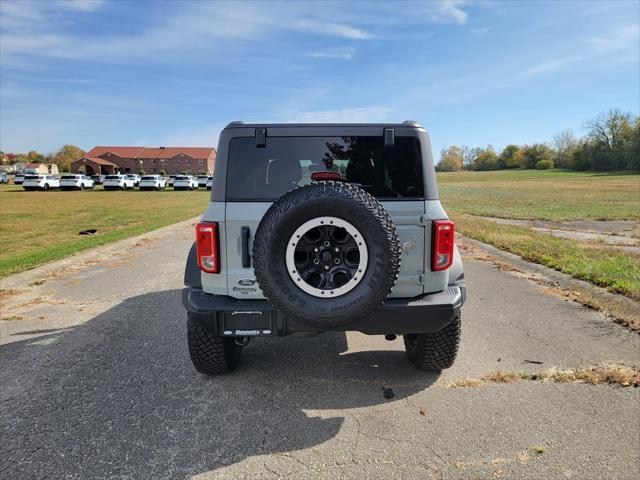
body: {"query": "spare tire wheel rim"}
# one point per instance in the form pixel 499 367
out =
pixel 327 257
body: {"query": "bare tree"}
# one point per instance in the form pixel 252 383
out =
pixel 607 128
pixel 565 143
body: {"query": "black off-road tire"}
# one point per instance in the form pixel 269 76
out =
pixel 434 351
pixel 347 202
pixel 210 354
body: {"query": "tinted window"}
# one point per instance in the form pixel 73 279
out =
pixel 68 177
pixel 286 162
pixel 112 177
pixel 32 177
pixel 148 178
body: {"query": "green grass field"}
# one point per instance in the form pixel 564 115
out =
pixel 37 227
pixel 549 195
pixel 542 194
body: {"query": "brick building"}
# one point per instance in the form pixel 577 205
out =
pixel 172 160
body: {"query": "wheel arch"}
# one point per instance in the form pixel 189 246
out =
pixel 456 271
pixel 192 275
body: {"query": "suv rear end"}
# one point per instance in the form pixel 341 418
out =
pixel 117 182
pixel 40 182
pixel 73 182
pixel 389 164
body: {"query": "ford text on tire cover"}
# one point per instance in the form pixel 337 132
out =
pixel 325 227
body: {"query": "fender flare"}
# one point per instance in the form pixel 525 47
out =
pixel 456 271
pixel 192 274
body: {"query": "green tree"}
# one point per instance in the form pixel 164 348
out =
pixel 581 157
pixel 632 149
pixel 544 165
pixel 67 154
pixel 532 154
pixel 486 159
pixel 35 157
pixel 510 157
pixel 451 159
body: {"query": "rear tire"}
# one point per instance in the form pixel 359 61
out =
pixel 434 351
pixel 210 354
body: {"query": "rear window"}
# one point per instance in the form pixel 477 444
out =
pixel 68 177
pixel 33 177
pixel 182 178
pixel 112 177
pixel 148 178
pixel 265 174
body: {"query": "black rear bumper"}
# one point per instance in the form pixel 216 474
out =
pixel 226 316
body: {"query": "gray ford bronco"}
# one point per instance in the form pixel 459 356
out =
pixel 323 227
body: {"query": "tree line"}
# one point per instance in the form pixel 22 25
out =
pixel 612 142
pixel 61 157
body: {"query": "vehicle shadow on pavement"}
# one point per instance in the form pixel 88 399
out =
pixel 118 396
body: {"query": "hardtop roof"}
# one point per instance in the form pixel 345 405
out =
pixel 405 124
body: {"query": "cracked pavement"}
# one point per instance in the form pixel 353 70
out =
pixel 96 383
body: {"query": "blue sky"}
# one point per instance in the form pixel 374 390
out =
pixel 100 72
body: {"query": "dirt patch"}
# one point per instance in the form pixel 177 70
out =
pixel 122 260
pixel 14 317
pixel 610 374
pixel 620 228
pixel 43 299
pixel 67 270
pixel 145 241
pixel 6 294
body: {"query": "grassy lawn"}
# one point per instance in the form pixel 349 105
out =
pixel 549 195
pixel 542 194
pixel 37 227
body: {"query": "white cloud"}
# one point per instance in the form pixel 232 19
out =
pixel 195 136
pixel 550 66
pixel 335 55
pixel 618 39
pixel 81 5
pixel 450 10
pixel 345 115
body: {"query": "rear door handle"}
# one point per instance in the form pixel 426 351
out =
pixel 245 233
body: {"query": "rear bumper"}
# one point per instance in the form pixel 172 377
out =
pixel 226 316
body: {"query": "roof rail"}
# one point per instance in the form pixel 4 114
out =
pixel 235 123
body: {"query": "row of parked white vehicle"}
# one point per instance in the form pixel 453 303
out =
pixel 115 182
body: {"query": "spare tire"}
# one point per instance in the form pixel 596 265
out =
pixel 326 254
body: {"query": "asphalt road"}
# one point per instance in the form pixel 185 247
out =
pixel 95 382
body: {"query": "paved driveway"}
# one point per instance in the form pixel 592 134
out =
pixel 95 382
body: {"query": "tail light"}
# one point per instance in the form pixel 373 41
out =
pixel 208 247
pixel 442 245
pixel 317 176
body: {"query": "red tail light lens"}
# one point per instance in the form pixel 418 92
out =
pixel 208 247
pixel 442 245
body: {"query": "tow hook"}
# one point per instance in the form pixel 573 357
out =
pixel 242 341
pixel 390 337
